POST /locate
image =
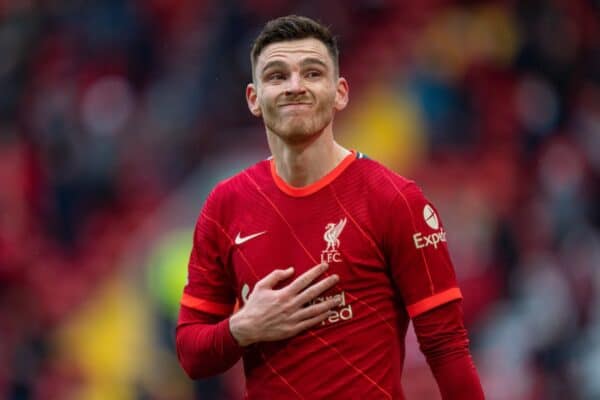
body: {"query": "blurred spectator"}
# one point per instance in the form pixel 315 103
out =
pixel 109 106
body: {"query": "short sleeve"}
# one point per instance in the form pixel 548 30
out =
pixel 209 287
pixel 417 253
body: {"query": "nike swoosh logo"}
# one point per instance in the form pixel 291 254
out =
pixel 239 239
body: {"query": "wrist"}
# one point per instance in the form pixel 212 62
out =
pixel 238 330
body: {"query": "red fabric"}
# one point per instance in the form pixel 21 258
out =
pixel 205 346
pixel 444 342
pixel 377 232
pixel 417 250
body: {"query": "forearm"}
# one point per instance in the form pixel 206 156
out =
pixel 458 379
pixel 205 346
pixel 444 342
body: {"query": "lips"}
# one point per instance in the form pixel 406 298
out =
pixel 294 104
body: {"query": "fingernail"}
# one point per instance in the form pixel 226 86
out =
pixel 325 266
pixel 335 277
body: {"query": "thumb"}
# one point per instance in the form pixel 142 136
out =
pixel 277 275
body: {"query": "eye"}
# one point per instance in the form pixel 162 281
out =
pixel 313 73
pixel 276 76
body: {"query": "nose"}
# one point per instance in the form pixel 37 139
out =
pixel 295 85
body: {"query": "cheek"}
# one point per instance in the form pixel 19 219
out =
pixel 328 93
pixel 328 98
pixel 267 107
pixel 267 100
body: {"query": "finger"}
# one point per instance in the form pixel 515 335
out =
pixel 315 290
pixel 275 276
pixel 306 278
pixel 307 323
pixel 314 310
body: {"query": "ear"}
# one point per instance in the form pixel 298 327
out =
pixel 252 100
pixel 342 94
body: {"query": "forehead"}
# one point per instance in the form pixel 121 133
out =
pixel 294 51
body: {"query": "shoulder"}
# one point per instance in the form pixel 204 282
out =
pixel 390 193
pixel 379 179
pixel 235 188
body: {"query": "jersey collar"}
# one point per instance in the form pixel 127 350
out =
pixel 315 186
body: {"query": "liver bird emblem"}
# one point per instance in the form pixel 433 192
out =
pixel 332 233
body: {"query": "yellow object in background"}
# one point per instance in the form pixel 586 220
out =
pixel 386 126
pixel 111 340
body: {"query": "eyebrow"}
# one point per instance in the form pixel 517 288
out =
pixel 312 60
pixel 272 64
pixel 303 63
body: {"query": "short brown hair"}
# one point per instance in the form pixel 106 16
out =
pixel 294 27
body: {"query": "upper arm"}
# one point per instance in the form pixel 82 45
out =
pixel 209 288
pixel 418 253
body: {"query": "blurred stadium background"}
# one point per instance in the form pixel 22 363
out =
pixel 117 117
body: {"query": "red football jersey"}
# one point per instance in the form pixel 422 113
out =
pixel 373 227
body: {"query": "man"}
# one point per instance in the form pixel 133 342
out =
pixel 327 253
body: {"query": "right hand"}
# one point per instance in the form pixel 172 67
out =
pixel 275 314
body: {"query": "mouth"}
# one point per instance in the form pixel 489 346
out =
pixel 295 105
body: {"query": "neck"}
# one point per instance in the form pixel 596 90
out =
pixel 301 164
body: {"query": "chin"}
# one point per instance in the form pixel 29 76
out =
pixel 296 136
pixel 296 130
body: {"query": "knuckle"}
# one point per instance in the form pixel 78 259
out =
pixel 306 313
pixel 332 280
pixel 316 291
pixel 288 309
pixel 283 296
pixel 309 292
pixel 278 303
pixel 294 304
pixel 277 273
pixel 305 281
pixel 303 325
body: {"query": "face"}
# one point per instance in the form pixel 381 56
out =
pixel 296 90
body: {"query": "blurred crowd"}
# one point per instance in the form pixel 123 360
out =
pixel 107 107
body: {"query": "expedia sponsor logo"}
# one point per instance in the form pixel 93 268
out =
pixel 430 217
pixel 433 239
pixel 430 240
pixel 342 312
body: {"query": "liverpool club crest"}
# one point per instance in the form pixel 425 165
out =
pixel 331 237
